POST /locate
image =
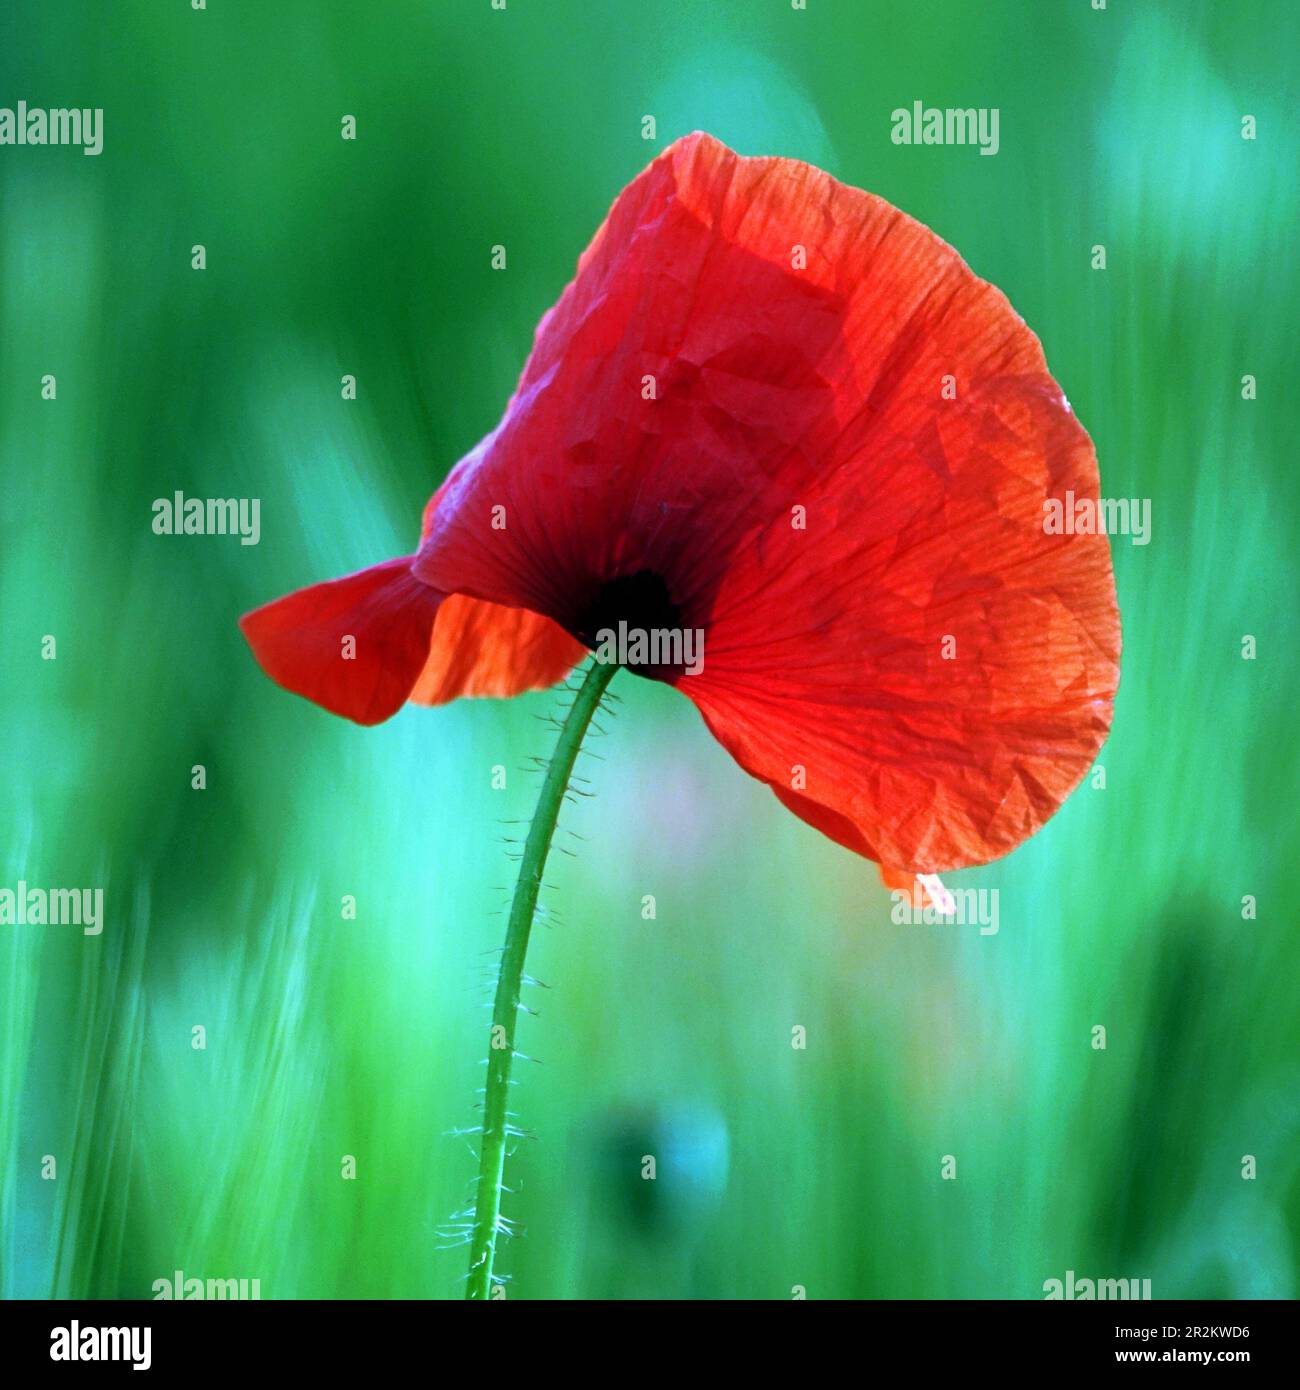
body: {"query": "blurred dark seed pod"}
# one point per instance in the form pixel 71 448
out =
pixel 659 1168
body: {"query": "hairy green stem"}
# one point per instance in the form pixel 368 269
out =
pixel 505 1009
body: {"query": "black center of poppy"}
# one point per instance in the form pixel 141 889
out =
pixel 624 607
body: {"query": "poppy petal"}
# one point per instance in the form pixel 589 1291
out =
pixel 482 648
pixel 302 640
pixel 931 691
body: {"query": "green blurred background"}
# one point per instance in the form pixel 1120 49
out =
pixel 777 1167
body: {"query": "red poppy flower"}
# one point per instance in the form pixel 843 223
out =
pixel 778 410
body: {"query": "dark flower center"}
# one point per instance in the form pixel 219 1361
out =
pixel 638 613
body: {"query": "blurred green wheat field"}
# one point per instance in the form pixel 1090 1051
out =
pixel 328 1037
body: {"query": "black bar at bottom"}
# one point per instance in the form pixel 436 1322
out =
pixel 99 1338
